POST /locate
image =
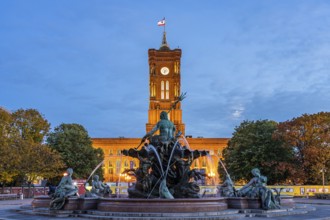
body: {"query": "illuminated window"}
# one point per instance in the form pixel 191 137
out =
pixel 152 89
pixel 176 67
pixel 162 89
pixel 126 163
pixel 118 152
pixel 110 171
pixel 196 163
pixel 118 166
pixel 110 152
pixel 219 152
pixel 110 163
pixel 204 162
pixel 176 90
pixel 167 89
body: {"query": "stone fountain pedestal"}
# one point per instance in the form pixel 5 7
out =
pixel 72 203
pixel 162 205
pixel 249 203
pixel 174 209
pixel 137 205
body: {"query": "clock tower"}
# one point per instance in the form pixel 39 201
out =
pixel 164 85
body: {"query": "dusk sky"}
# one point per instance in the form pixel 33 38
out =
pixel 86 61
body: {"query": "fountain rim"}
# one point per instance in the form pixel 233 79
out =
pixel 164 199
pixel 159 205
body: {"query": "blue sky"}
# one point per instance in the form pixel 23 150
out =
pixel 86 61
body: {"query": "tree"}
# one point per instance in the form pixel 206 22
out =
pixel 23 156
pixel 9 162
pixel 75 147
pixel 31 125
pixel 309 137
pixel 251 146
pixel 39 160
pixel 8 156
pixel 5 125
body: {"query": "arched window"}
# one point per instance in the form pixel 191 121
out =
pixel 204 162
pixel 152 89
pixel 162 90
pixel 167 90
pixel 118 166
pixel 176 67
pixel 176 90
pixel 196 164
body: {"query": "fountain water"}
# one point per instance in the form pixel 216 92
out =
pixel 163 190
pixel 175 182
pixel 225 169
pixel 95 169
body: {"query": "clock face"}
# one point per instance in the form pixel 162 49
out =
pixel 165 71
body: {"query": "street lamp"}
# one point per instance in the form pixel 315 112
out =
pixel 323 171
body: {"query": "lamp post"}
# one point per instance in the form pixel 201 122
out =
pixel 323 170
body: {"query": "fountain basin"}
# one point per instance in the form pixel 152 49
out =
pixel 41 202
pixel 159 205
pixel 251 203
pixel 72 203
pixel 162 205
pixel 138 205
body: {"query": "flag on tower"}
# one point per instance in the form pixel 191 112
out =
pixel 161 22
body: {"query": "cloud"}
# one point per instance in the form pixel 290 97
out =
pixel 237 112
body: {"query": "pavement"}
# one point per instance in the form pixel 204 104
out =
pixel 322 210
pixel 8 211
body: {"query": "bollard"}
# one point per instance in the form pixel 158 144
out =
pixel 21 196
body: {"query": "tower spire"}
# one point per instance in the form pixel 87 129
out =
pixel 164 45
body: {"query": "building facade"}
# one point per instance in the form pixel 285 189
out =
pixel 165 88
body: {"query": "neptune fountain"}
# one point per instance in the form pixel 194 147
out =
pixel 165 186
pixel 164 165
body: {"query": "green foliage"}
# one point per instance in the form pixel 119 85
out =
pixel 5 125
pixel 39 160
pixel 23 156
pixel 252 145
pixel 9 157
pixel 309 137
pixel 75 147
pixel 30 124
